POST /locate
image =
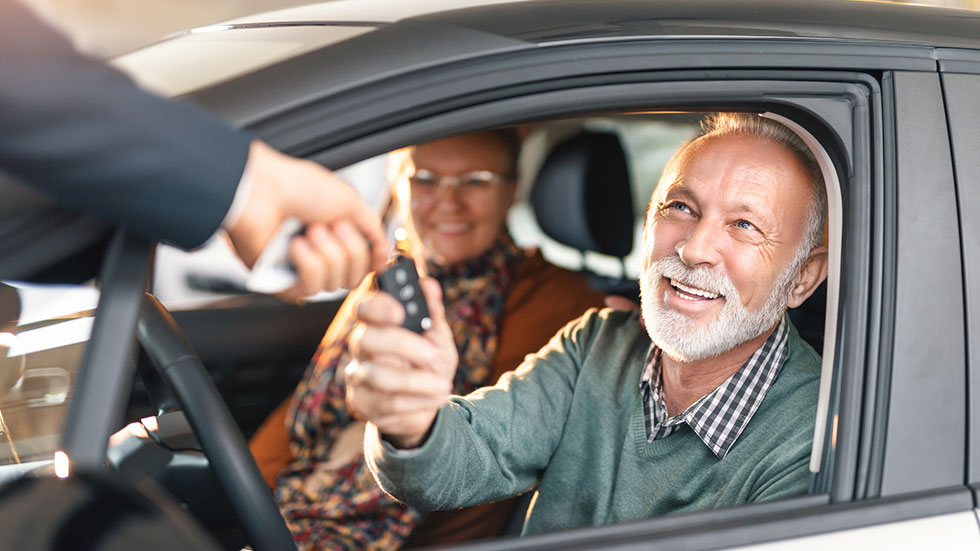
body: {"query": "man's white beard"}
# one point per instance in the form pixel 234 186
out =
pixel 687 340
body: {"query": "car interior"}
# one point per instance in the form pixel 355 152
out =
pixel 585 183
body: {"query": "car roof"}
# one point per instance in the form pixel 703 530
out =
pixel 543 21
pixel 320 49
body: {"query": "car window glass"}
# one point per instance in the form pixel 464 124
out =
pixel 44 330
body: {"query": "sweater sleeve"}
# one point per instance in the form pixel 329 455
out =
pixel 494 442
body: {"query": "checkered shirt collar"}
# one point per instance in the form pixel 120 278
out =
pixel 720 416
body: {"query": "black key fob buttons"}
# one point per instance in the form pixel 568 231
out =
pixel 400 280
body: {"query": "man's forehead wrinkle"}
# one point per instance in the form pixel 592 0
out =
pixel 679 187
pixel 725 164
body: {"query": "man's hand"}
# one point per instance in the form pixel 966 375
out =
pixel 398 379
pixel 617 302
pixel 344 239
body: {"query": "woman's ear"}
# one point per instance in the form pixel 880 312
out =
pixel 812 274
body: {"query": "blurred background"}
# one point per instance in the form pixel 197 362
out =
pixel 110 27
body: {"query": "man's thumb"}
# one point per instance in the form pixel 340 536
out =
pixel 433 299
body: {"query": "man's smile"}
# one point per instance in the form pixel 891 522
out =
pixel 691 292
pixel 692 301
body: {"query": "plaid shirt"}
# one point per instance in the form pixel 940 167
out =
pixel 719 417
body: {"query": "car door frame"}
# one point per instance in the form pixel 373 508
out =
pixel 426 103
pixel 960 73
pixel 462 94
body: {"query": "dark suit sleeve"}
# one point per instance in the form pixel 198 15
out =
pixel 84 134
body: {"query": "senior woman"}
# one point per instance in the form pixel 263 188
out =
pixel 502 303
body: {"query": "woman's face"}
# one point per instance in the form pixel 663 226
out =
pixel 461 194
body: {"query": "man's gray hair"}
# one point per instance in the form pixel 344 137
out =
pixel 751 124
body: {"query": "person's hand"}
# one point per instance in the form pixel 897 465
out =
pixel 343 241
pixel 399 379
pixel 617 302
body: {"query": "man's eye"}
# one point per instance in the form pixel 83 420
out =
pixel 678 206
pixel 745 225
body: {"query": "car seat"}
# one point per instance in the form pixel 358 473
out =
pixel 582 198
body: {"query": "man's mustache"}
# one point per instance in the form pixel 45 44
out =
pixel 704 278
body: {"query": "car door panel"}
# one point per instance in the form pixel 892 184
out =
pixel 963 114
pixel 924 446
pixel 434 102
pixel 951 532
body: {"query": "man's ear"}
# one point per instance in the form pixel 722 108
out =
pixel 812 274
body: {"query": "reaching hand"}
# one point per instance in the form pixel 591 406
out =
pixel 398 379
pixel 344 239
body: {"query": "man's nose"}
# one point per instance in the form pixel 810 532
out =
pixel 701 247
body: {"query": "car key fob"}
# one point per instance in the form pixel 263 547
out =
pixel 400 280
pixel 273 271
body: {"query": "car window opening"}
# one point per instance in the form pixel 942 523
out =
pixel 568 235
pixel 575 158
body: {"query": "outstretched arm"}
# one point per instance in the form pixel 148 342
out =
pixel 84 134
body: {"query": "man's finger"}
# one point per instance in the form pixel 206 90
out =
pixel 375 407
pixel 309 267
pixel 333 257
pixel 393 361
pixel 617 302
pixel 395 414
pixel 380 308
pixel 437 311
pixel 356 251
pixel 389 340
pixel 343 203
pixel 398 383
pixel 369 225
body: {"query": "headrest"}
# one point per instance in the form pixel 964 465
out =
pixel 582 195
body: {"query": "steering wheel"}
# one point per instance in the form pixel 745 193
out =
pixel 181 371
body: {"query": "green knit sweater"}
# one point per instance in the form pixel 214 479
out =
pixel 570 420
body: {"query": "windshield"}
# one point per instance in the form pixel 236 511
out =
pixel 43 333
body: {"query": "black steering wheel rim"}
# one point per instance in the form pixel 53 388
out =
pixel 182 372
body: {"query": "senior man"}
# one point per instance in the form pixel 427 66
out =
pixel 717 410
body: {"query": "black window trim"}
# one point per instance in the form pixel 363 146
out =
pixel 924 444
pixel 959 88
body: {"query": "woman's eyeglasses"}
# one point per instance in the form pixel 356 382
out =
pixel 426 183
